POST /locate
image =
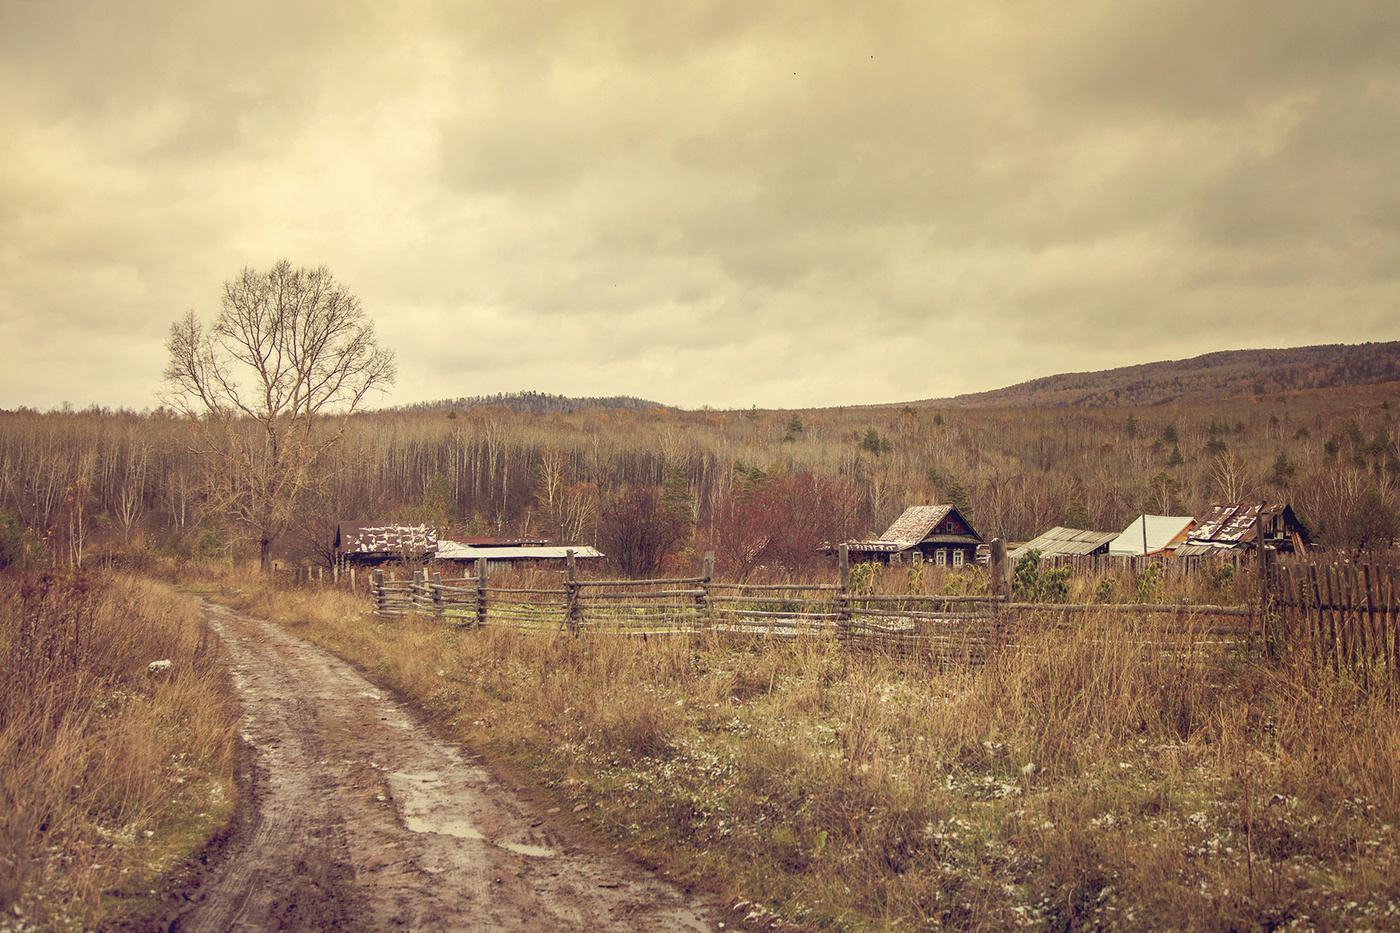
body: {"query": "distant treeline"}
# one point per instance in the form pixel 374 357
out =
pixel 532 402
pixel 773 486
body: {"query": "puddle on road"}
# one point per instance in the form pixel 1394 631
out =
pixel 426 806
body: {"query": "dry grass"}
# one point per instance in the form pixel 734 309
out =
pixel 112 772
pixel 1092 778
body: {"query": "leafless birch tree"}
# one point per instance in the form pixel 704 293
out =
pixel 290 349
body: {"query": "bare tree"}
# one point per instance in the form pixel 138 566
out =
pixel 290 348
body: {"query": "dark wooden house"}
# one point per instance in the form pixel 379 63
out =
pixel 938 534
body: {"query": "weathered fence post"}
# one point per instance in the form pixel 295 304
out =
pixel 1001 569
pixel 571 605
pixel 704 605
pixel 436 591
pixel 843 599
pixel 481 591
pixel 376 590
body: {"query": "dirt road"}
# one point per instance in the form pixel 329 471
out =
pixel 357 819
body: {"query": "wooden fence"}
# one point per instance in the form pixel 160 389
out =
pixel 1342 616
pixel 944 627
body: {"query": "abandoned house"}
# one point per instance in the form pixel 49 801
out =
pixel 380 542
pixel 1235 527
pixel 934 533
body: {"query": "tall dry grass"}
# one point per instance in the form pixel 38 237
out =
pixel 1096 774
pixel 112 772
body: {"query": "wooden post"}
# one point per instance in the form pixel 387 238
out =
pixel 1001 569
pixel 376 590
pixel 843 565
pixel 571 605
pixel 436 591
pixel 704 605
pixel 481 591
pixel 1375 639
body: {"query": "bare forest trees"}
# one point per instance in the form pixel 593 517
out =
pixel 289 347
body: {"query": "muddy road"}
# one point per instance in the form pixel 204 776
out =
pixel 355 818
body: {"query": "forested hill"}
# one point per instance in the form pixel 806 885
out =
pixel 532 402
pixel 1228 374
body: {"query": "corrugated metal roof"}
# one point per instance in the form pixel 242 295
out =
pixel 388 538
pixel 1163 533
pixel 1064 542
pixel 456 550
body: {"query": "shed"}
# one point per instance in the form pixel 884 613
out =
pixel 376 542
pixel 471 553
pixel 937 533
pixel 1234 527
pixel 1152 534
pixel 1065 542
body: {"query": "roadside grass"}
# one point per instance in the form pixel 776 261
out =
pixel 112 773
pixel 1095 775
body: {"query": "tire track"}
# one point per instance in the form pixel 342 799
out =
pixel 355 818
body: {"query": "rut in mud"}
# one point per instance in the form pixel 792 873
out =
pixel 356 818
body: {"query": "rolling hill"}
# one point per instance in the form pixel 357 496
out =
pixel 1226 374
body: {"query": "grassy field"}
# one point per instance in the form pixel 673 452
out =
pixel 1092 778
pixel 112 773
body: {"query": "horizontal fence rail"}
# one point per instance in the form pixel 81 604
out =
pixel 968 627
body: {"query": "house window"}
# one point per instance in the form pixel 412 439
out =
pixel 958 558
pixel 941 557
pixel 951 527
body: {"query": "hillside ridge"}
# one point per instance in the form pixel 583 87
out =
pixel 1220 374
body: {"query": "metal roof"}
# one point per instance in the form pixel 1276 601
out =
pixel 456 550
pixel 1232 524
pixel 388 538
pixel 1163 532
pixel 1064 542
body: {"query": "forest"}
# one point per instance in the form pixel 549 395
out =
pixel 655 486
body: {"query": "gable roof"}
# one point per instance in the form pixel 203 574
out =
pixel 917 525
pixel 1064 542
pixel 1163 533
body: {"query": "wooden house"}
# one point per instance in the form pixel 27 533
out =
pixel 378 542
pixel 1235 527
pixel 938 534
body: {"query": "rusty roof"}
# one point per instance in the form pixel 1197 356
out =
pixel 1232 523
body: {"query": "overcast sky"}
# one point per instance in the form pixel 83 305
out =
pixel 701 203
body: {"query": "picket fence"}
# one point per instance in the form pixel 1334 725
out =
pixel 1343 616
